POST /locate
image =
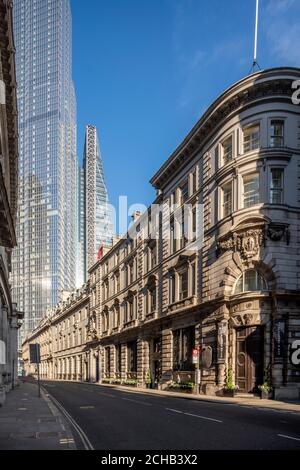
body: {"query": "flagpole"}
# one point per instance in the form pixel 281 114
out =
pixel 255 35
pixel 255 64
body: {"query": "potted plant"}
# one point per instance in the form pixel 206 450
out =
pixel 266 387
pixel 148 379
pixel 230 389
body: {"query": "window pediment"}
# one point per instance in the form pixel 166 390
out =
pixel 152 279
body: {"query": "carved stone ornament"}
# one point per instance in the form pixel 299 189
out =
pixel 92 326
pixel 277 231
pixel 244 319
pixel 247 243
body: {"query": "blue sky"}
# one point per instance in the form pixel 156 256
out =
pixel 145 71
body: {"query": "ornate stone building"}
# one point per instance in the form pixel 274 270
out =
pixel 224 282
pixel 9 316
pixel 63 338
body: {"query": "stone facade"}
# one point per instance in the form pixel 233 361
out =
pixel 230 292
pixel 9 316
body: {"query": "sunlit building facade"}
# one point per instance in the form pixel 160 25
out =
pixel 217 317
pixel 44 261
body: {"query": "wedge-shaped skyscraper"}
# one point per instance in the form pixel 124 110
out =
pixel 95 222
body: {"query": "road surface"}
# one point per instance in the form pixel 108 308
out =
pixel 112 419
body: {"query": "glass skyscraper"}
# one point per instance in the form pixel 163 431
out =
pixel 97 224
pixel 44 263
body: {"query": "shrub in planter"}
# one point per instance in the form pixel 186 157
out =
pixel 107 380
pixel 148 380
pixel 186 386
pixel 116 381
pixel 230 389
pixel 266 387
pixel 131 382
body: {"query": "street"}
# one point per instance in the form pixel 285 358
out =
pixel 112 419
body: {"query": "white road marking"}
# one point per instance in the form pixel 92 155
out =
pixel 289 437
pixel 66 441
pixel 87 407
pixel 85 440
pixel 107 395
pixel 204 417
pixel 137 401
pixel 175 411
pixel 193 415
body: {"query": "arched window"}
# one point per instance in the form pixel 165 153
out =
pixel 250 280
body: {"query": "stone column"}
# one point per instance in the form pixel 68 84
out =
pixel 90 363
pixel 112 361
pixel 167 359
pixel 141 353
pixel 124 361
pixel 222 354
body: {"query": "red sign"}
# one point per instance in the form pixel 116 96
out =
pixel 195 356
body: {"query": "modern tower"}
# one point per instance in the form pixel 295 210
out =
pixel 81 244
pixel 99 227
pixel 44 261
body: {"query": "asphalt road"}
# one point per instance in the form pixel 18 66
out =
pixel 111 419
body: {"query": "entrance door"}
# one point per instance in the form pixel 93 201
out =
pixel 156 362
pixel 249 358
pixel 97 369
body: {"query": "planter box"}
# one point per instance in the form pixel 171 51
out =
pixel 229 393
pixel 265 395
pixel 179 389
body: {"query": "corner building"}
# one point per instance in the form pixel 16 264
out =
pixel 235 297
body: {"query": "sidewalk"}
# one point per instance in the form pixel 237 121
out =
pixel 242 401
pixel 29 422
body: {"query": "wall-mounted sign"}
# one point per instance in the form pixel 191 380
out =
pixel 222 335
pixel 279 334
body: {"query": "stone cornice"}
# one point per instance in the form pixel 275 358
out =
pixel 273 84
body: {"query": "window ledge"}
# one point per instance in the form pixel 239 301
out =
pixel 184 303
pixel 129 324
pixel 151 315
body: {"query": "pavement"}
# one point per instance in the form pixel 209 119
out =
pixel 28 422
pixel 121 418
